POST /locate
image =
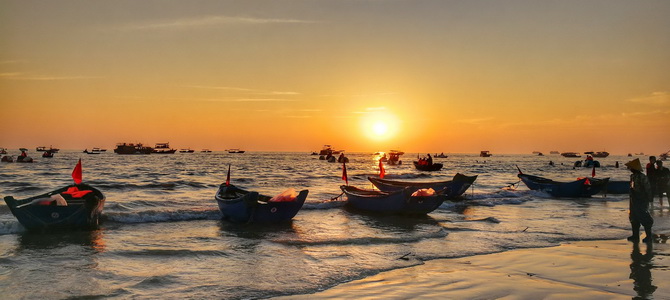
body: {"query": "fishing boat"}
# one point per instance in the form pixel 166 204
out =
pixel 427 167
pixel 617 187
pixel 206 151
pixel 242 206
pixel 485 154
pixel 398 202
pixel 130 148
pixel 452 188
pixel 48 154
pixel 570 154
pixel 43 148
pixel 235 151
pixel 394 157
pixel 582 187
pixel 441 155
pixel 598 153
pixel 61 208
pixel 189 150
pixel 91 152
pixel 163 148
pixel 3 151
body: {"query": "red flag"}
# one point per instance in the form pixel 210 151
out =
pixel 228 176
pixel 593 172
pixel 344 173
pixel 382 172
pixel 76 173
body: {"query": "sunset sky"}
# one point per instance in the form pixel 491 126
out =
pixel 362 75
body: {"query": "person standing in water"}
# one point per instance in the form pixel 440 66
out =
pixel 640 196
pixel 662 181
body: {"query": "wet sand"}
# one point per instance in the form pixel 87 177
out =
pixel 580 270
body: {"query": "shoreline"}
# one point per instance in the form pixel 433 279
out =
pixel 600 269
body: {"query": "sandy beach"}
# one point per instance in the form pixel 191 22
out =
pixel 615 269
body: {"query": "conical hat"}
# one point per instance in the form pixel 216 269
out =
pixel 634 164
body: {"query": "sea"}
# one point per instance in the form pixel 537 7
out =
pixel 162 236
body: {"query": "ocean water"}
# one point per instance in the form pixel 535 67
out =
pixel 162 235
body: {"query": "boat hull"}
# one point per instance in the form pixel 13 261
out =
pixel 452 188
pixel 584 187
pixel 399 202
pixel 84 212
pixel 617 187
pixel 433 167
pixel 241 206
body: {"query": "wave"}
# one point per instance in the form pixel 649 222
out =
pixel 169 185
pixel 10 227
pixel 441 233
pixel 153 216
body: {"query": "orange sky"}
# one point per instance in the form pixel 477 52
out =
pixel 280 75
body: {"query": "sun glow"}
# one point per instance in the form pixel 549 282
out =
pixel 379 125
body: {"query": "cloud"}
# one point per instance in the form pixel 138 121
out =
pixel 211 21
pixel 21 76
pixel 656 98
pixel 244 90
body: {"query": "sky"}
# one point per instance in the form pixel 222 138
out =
pixel 361 75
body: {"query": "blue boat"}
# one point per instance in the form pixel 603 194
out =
pixel 582 187
pixel 432 167
pixel 452 188
pixel 617 187
pixel 398 202
pixel 242 206
pixel 73 206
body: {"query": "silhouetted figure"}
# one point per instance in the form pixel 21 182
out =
pixel 639 198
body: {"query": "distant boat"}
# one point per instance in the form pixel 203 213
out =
pixel 205 150
pixel 485 154
pixel 235 151
pixel 163 148
pixel 422 167
pixel 399 202
pixel 3 151
pixel 242 206
pixel 441 155
pixel 48 154
pixel 96 149
pixel 130 148
pixel 91 152
pixel 570 154
pixel 186 150
pixel 43 148
pixel 394 157
pixel 601 154
pixel 554 152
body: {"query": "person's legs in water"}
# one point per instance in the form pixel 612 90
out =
pixel 635 225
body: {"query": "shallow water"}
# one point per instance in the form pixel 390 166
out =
pixel 161 233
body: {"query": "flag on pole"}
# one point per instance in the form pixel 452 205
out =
pixel 344 173
pixel 76 173
pixel 228 176
pixel 593 172
pixel 382 172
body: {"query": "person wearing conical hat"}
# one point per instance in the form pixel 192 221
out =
pixel 640 197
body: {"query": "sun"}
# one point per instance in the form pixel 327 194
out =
pixel 379 125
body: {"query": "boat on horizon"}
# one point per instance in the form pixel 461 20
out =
pixel 598 153
pixel 570 154
pixel 554 152
pixel 235 150
pixel 188 150
pixel 131 148
pixel 44 148
pixel 163 148
pixel 427 167
pixel 205 150
pixel 485 153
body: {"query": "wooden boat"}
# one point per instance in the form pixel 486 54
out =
pixel 600 154
pixel 91 152
pixel 582 187
pixel 570 154
pixel 235 151
pixel 394 157
pixel 48 154
pixel 617 187
pixel 398 202
pixel 42 211
pixel 7 158
pixel 433 167
pixel 43 148
pixel 485 154
pixel 241 206
pixel 130 148
pixel 163 148
pixel 452 188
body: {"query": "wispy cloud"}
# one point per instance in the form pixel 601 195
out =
pixel 474 121
pixel 22 76
pixel 210 21
pixel 655 98
pixel 244 90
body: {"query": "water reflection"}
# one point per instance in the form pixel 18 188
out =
pixel 57 239
pixel 640 271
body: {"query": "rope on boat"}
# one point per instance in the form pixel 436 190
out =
pixel 338 196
